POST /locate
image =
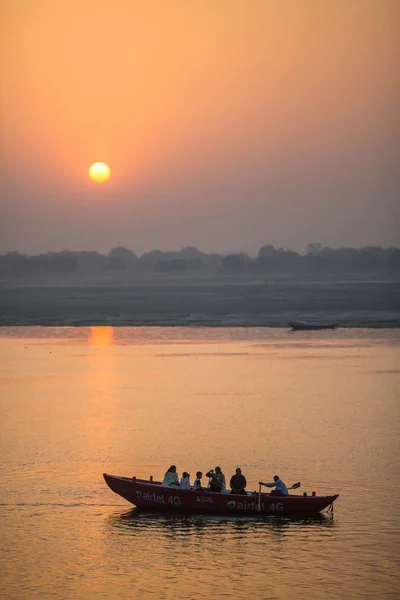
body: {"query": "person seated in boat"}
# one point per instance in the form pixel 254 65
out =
pixel 171 478
pixel 185 481
pixel 217 483
pixel 238 483
pixel 280 487
pixel 197 482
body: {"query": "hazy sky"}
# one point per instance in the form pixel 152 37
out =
pixel 228 124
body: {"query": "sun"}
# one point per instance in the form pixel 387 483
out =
pixel 99 172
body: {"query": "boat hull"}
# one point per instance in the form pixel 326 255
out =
pixel 302 326
pixel 151 494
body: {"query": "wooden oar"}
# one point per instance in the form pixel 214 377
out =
pixel 295 486
pixel 292 487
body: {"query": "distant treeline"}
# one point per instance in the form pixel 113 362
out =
pixel 317 260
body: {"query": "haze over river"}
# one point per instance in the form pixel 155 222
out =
pixel 317 407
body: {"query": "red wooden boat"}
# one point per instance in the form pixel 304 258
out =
pixel 151 494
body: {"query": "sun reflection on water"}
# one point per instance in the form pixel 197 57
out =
pixel 101 336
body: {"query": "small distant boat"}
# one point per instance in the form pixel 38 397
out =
pixel 303 325
pixel 145 493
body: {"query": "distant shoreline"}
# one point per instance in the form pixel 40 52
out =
pixel 202 303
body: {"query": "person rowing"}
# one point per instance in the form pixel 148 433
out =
pixel 280 487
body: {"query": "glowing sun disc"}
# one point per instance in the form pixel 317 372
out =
pixel 99 172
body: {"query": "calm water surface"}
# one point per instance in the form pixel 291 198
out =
pixel 319 407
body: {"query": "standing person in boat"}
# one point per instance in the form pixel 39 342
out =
pixel 238 482
pixel 280 487
pixel 185 481
pixel 217 483
pixel 171 478
pixel 197 482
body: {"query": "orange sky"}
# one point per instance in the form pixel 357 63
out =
pixel 261 111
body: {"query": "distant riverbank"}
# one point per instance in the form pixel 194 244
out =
pixel 203 302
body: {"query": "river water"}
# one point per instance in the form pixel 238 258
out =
pixel 317 407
